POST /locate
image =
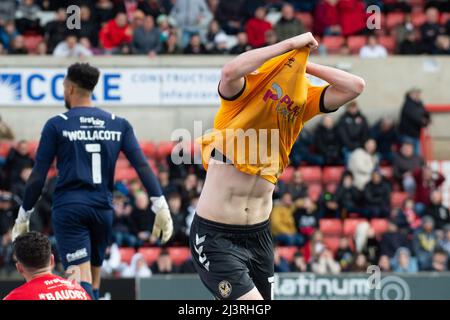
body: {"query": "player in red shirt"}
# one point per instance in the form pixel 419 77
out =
pixel 35 263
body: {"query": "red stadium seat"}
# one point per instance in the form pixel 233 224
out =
pixel 32 42
pixel 388 42
pixel 307 19
pixel 397 199
pixel 379 225
pixel 32 147
pixel 418 18
pixel 127 174
pixel 5 146
pixel 330 226
pixel 445 16
pixel 314 191
pixel 150 254
pixel 148 148
pixel 393 19
pixel 331 243
pixel 164 149
pixel 332 174
pixel 311 174
pixel 179 254
pixel 333 43
pixel 387 172
pixel 126 254
pixel 287 174
pixel 287 252
pixel 355 43
pixel 351 224
pixel 122 163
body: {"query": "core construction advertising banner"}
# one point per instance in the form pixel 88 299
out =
pixel 120 86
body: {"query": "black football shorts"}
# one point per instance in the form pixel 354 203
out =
pixel 233 259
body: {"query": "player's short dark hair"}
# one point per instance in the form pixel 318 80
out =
pixel 33 250
pixel 83 75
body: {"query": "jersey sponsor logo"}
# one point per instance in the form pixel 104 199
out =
pixel 79 254
pixel 199 249
pixel 92 121
pixel 225 288
pixel 290 62
pixel 64 295
pixel 94 135
pixel 10 87
pixel 285 106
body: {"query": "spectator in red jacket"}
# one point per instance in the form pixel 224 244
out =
pixel 116 34
pixel 257 27
pixel 326 18
pixel 352 16
pixel 426 180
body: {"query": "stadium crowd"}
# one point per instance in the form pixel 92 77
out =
pixel 152 27
pixel 353 195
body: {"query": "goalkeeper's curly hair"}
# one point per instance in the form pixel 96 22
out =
pixel 33 250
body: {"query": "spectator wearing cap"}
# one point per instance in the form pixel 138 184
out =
pixel 242 44
pixel 192 18
pixel 352 128
pixel 327 143
pixel 373 49
pixel 116 34
pixel 437 210
pixel 413 118
pixel 256 28
pixel 377 195
pixel 147 39
pixel 424 243
pixel 362 162
pixel 283 224
pixel 220 44
pixel 403 262
pixel 70 47
pixel 385 134
pixel 391 240
pixel 431 29
pixel 288 26
pixel 405 162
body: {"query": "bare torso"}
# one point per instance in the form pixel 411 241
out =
pixel 233 197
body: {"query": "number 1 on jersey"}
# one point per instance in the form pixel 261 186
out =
pixel 95 149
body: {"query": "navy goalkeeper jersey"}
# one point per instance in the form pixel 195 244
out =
pixel 86 142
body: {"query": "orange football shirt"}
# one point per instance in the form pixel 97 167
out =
pixel 257 129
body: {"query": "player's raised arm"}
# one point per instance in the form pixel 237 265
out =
pixel 343 88
pixel 234 71
pixel 44 157
pixel 163 221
